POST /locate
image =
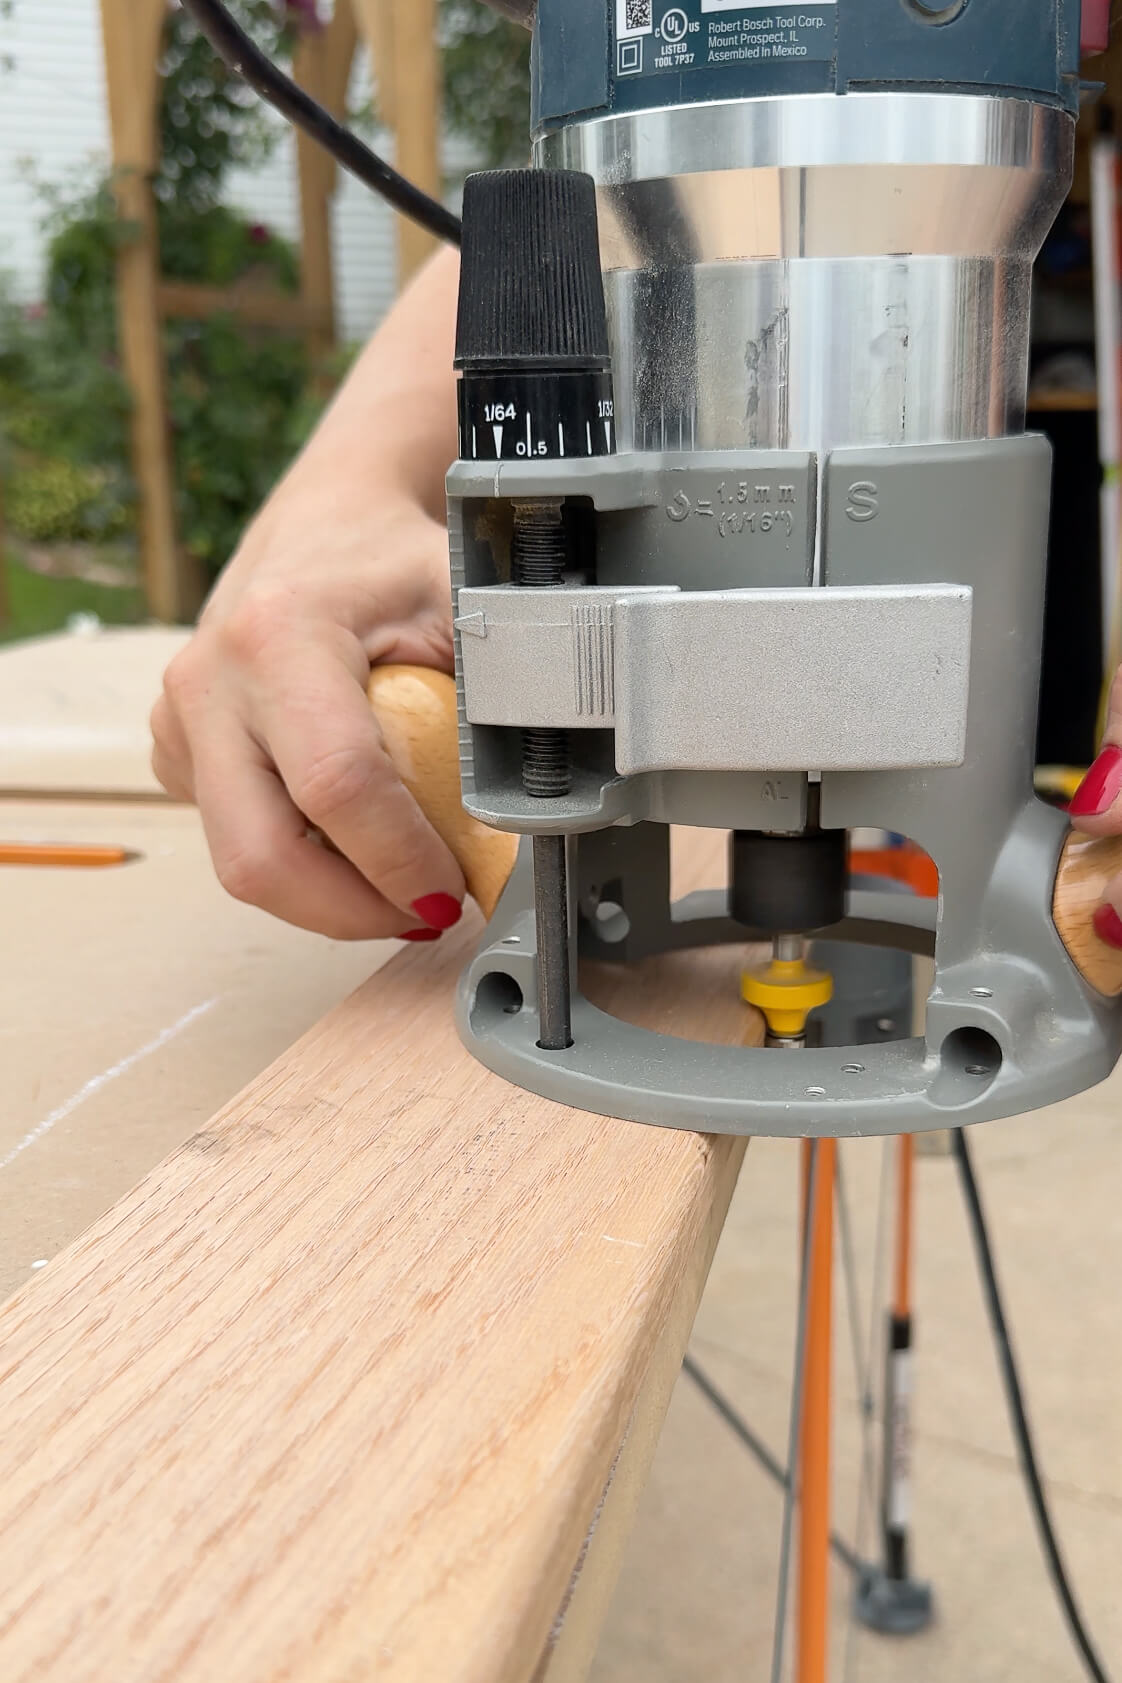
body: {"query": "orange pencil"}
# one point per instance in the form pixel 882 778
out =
pixel 67 854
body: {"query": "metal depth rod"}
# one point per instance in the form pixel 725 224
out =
pixel 551 911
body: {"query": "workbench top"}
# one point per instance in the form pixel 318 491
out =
pixel 123 985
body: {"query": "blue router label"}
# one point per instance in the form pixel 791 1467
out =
pixel 679 37
pixel 596 56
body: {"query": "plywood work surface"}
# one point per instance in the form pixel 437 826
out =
pixel 74 711
pixel 133 1001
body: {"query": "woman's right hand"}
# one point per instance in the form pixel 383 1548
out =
pixel 265 724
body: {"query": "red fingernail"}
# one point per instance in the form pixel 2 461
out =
pixel 1101 786
pixel 420 935
pixel 1108 925
pixel 440 911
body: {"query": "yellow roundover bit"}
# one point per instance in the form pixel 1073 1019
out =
pixel 786 991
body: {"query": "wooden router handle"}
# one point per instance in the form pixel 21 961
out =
pixel 416 709
pixel 1086 866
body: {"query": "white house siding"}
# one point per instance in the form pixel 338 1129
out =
pixel 54 128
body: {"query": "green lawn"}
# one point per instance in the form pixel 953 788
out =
pixel 38 605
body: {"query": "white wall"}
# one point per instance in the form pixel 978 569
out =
pixel 53 119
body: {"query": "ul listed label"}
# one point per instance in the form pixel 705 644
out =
pixel 862 501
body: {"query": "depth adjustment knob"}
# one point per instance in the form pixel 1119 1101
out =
pixel 531 333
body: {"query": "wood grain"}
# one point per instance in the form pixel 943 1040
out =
pixel 375 20
pixel 415 80
pixel 253 304
pixel 321 65
pixel 336 1391
pixel 572 1643
pixel 1086 866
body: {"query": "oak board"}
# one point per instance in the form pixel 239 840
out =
pixel 337 1390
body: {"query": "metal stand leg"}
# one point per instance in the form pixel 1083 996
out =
pixel 887 1598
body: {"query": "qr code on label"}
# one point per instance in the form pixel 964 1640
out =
pixel 635 17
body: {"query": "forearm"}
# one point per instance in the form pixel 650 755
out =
pixel 264 720
pixel 391 429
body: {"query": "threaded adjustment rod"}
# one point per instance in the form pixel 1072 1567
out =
pixel 540 556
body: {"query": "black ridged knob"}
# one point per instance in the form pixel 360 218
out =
pixel 532 332
pixel 531 291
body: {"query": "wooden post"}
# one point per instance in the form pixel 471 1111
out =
pixel 322 65
pixel 375 22
pixel 416 106
pixel 131 31
pixel 401 35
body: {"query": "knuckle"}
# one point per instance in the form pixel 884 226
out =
pixel 246 875
pixel 334 781
pixel 254 627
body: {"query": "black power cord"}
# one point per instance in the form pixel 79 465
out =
pixel 1017 1411
pixel 234 46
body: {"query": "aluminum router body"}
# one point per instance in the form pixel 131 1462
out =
pixel 807 273
pixel 818 585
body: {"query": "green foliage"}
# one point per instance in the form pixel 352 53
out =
pixel 64 405
pixel 486 82
pixel 54 500
pixel 210 121
pixel 235 395
pixel 218 246
pixel 239 401
pixel 83 238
